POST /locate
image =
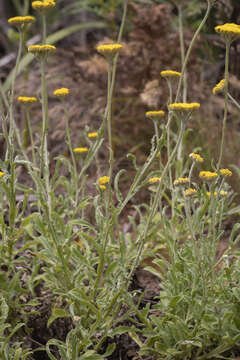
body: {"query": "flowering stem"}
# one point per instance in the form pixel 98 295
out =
pixel 156 129
pixel 109 125
pixel 169 143
pixel 228 44
pixel 234 101
pixel 44 22
pixel 69 143
pixel 44 171
pixel 29 129
pixel 11 125
pixel 190 172
pixel 181 37
pixel 109 110
pixel 12 178
pixel 119 39
pixel 190 49
pixel 142 238
pixel 108 202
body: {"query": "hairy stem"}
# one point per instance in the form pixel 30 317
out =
pixel 225 102
pixel 190 49
pixel 143 236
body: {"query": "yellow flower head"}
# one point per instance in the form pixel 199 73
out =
pixel 196 157
pixel 184 107
pixel 43 6
pixel 155 115
pixel 208 175
pixel 219 87
pixel 61 92
pixel 190 192
pixel 209 194
pixel 170 74
pixel 181 181
pixel 92 135
pixel 21 21
pixel 80 150
pixel 41 50
pixel 109 50
pixel 222 193
pixel 230 32
pixel 103 180
pixel 154 180
pixel 225 172
pixel 1 174
pixel 102 187
pixel 27 99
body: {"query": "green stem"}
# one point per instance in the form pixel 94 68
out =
pixel 190 226
pixel 181 37
pixel 69 143
pixel 44 24
pixel 20 48
pixel 12 178
pixel 120 34
pixel 26 7
pixel 234 101
pixel 108 201
pixel 31 136
pixel 228 44
pixel 190 49
pixel 190 172
pixel 119 39
pixel 110 144
pixel 169 145
pixel 156 129
pixel 17 7
pixel 44 171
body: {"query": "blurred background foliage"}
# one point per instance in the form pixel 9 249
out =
pixel 151 43
pixel 110 11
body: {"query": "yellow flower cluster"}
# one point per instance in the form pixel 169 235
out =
pixel 222 193
pixel 181 181
pixel 225 172
pixel 21 20
pixel 1 174
pixel 170 74
pixel 61 92
pixel 103 180
pixel 154 180
pixel 184 107
pixel 41 49
pixel 43 5
pixel 27 99
pixel 102 187
pixel 190 192
pixel 196 157
pixel 80 150
pixel 219 87
pixel 109 50
pixel 155 115
pixel 228 28
pixel 208 175
pixel 92 135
